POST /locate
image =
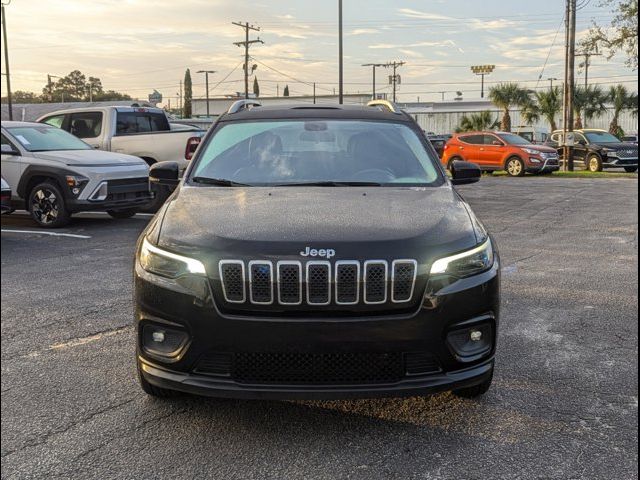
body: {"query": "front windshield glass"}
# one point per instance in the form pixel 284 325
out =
pixel 513 139
pixel 601 137
pixel 46 139
pixel 293 152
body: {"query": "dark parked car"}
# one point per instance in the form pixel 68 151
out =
pixel 316 252
pixel 596 150
pixel 438 142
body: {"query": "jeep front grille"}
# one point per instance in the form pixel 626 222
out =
pixel 318 283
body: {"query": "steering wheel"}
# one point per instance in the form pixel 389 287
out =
pixel 378 175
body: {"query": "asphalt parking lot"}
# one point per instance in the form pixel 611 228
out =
pixel 564 403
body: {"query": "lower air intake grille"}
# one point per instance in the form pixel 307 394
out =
pixel 318 368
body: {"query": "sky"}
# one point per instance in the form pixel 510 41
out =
pixel 135 46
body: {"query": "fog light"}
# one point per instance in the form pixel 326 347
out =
pixel 163 341
pixel 158 336
pixel 475 335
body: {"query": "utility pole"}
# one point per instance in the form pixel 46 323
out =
pixel 587 62
pixel 180 101
pixel 340 55
pixel 246 44
pixel 551 80
pixel 314 93
pixel 442 93
pixel 395 78
pixel 374 66
pixel 569 83
pixel 50 87
pixel 6 60
pixel 206 82
pixel 483 70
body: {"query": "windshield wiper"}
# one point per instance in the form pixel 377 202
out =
pixel 331 184
pixel 221 182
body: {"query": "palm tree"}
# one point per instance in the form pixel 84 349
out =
pixel 621 99
pixel 588 102
pixel 477 122
pixel 507 95
pixel 546 104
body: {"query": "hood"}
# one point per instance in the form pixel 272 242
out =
pixel 539 148
pixel 279 223
pixel 617 146
pixel 93 158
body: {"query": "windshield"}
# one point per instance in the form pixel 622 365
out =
pixel 601 137
pixel 46 139
pixel 513 139
pixel 328 152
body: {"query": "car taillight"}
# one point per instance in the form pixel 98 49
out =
pixel 192 146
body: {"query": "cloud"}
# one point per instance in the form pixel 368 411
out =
pixel 442 44
pixel 410 13
pixel 498 24
pixel 363 31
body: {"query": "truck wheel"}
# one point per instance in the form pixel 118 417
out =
pixel 127 213
pixel 476 390
pixel 152 390
pixel 630 169
pixel 515 167
pixel 594 164
pixel 47 207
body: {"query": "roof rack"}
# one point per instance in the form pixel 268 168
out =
pixel 243 104
pixel 380 104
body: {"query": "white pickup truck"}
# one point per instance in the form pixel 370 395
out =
pixel 141 131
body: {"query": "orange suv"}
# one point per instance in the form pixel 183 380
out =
pixel 501 151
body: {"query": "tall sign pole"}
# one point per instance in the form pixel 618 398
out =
pixel 483 70
pixel 572 76
pixel 6 60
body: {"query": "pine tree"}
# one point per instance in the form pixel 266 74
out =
pixel 256 87
pixel 286 91
pixel 188 94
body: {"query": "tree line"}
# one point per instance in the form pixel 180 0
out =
pixel 588 103
pixel 74 87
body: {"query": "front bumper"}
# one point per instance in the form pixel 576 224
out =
pixel 423 334
pixel 545 165
pixel 614 162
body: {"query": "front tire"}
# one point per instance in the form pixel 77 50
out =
pixel 122 214
pixel 47 206
pixel 594 164
pixel 476 390
pixel 152 390
pixel 515 167
pixel 630 169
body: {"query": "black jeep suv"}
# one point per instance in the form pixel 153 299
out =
pixel 596 150
pixel 316 252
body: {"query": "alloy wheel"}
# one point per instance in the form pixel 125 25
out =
pixel 514 168
pixel 44 206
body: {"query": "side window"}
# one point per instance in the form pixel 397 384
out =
pixel 141 122
pixel 5 141
pixel 473 139
pixel 54 121
pixel 527 136
pixel 580 139
pixel 490 139
pixel 86 124
pixel 555 138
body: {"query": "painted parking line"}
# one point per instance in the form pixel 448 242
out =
pixel 40 232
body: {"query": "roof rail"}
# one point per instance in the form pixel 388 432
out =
pixel 391 106
pixel 242 104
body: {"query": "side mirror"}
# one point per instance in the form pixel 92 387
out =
pixel 165 173
pixel 464 173
pixel 7 149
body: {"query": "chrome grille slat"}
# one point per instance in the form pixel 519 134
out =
pixel 403 280
pixel 289 283
pixel 261 282
pixel 376 273
pixel 233 280
pixel 347 282
pixel 318 282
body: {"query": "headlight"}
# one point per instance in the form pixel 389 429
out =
pixel 530 151
pixel 168 264
pixel 611 153
pixel 466 263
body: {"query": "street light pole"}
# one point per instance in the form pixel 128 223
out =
pixel 483 70
pixel 551 80
pixel 375 65
pixel 340 54
pixel 206 82
pixel 6 60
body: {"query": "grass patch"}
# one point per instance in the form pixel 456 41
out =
pixel 577 174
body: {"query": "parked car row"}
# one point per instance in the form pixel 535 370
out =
pixel 90 159
pixel 526 152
